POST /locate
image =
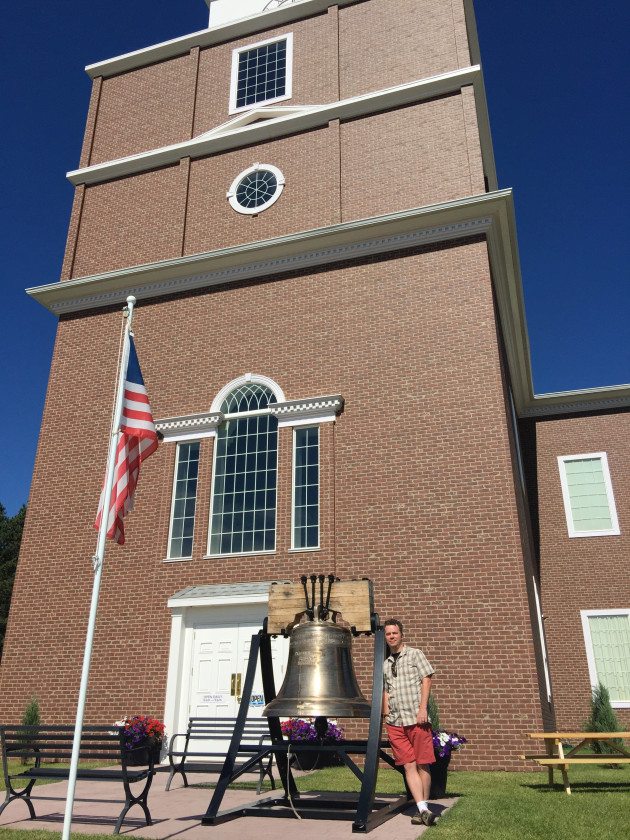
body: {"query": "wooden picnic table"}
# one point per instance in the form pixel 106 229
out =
pixel 556 757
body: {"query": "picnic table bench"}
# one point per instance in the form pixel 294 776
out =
pixel 47 744
pixel 556 757
pixel 200 758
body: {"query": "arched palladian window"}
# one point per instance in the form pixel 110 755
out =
pixel 243 510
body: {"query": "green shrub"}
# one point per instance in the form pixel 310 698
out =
pixel 602 719
pixel 31 717
pixel 434 712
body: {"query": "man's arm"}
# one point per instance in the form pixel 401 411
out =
pixel 385 710
pixel 425 691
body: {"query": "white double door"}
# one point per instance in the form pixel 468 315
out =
pixel 220 654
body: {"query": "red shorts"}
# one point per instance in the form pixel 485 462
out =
pixel 411 743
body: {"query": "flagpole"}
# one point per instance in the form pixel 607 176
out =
pixel 98 567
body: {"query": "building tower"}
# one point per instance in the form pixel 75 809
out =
pixel 330 323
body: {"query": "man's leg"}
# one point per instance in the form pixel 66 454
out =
pixel 424 772
pixel 415 782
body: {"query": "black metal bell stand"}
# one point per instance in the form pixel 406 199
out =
pixel 364 811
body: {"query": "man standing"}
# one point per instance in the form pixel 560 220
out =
pixel 406 689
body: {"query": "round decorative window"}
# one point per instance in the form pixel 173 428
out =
pixel 256 189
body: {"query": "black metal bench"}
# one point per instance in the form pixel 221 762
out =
pixel 196 758
pixel 54 743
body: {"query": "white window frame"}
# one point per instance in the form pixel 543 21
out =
pixel 216 405
pixel 288 89
pixel 168 558
pixel 253 211
pixel 608 532
pixel 590 653
pixel 319 487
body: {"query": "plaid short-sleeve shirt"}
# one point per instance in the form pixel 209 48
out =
pixel 402 681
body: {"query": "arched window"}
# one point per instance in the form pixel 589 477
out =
pixel 243 509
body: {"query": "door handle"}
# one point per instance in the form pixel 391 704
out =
pixel 232 685
pixel 238 687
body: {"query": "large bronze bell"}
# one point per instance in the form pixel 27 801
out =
pixel 320 678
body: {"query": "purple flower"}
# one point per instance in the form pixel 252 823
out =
pixel 444 743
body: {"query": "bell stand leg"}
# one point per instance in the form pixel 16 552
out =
pixel 370 770
pixel 269 690
pixel 237 735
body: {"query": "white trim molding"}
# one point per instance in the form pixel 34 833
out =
pixel 488 214
pixel 190 426
pixel 590 652
pixel 246 379
pixel 289 413
pixel 281 16
pixel 611 397
pixel 308 411
pixel 232 193
pixel 235 134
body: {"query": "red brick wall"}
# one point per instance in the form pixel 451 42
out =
pixel 409 157
pixel 131 221
pixel 340 54
pixel 401 159
pixel 579 573
pixel 417 486
pixel 380 49
pixel 314 69
pixel 145 109
pixel 310 165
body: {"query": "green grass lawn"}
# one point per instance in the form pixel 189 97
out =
pixel 491 806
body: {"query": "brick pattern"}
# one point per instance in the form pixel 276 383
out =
pixel 409 157
pixel 145 109
pixel 314 69
pixel 309 163
pixel 131 221
pixel 380 49
pixel 414 495
pixel 401 159
pixel 343 53
pixel 582 572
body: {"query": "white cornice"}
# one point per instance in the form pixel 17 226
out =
pixel 190 426
pixel 313 410
pixel 289 413
pixel 435 223
pixel 292 120
pixel 207 37
pixel 612 397
pixel 491 214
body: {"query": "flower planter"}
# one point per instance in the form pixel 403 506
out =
pixel 438 776
pixel 140 757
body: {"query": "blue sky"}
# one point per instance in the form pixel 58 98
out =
pixel 556 77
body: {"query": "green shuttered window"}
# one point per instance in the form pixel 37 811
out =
pixel 607 637
pixel 588 497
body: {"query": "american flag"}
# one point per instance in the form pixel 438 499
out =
pixel 138 439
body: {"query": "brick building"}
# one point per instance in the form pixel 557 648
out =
pixel 331 329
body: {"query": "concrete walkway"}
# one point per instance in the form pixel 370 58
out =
pixel 177 814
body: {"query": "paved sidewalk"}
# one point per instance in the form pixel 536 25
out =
pixel 177 814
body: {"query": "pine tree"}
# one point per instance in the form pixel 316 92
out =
pixel 602 719
pixel 31 717
pixel 434 712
